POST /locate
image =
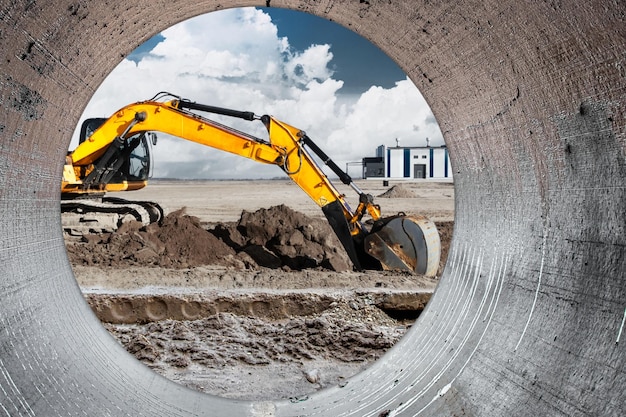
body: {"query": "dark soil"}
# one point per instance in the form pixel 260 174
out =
pixel 281 237
pixel 277 237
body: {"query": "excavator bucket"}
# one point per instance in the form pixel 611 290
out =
pixel 337 220
pixel 406 243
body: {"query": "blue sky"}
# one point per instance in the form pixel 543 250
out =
pixel 305 70
pixel 356 61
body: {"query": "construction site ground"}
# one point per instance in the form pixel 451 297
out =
pixel 244 292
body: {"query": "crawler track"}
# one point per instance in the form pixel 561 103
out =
pixel 83 215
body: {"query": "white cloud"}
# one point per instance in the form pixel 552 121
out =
pixel 311 64
pixel 235 58
pixel 380 116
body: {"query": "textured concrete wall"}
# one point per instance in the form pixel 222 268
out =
pixel 528 318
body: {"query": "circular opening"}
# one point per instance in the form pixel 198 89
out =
pixel 209 299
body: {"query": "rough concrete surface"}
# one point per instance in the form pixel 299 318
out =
pixel 528 318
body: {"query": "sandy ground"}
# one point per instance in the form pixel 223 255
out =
pixel 218 201
pixel 241 330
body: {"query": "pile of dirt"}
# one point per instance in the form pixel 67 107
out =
pixel 277 237
pixel 281 237
pixel 179 242
pixel 398 191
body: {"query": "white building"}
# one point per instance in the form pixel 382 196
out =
pixel 408 162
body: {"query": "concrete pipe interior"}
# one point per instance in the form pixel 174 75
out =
pixel 529 315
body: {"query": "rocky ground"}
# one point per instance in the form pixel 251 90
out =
pixel 265 306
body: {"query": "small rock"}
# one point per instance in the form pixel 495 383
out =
pixel 313 376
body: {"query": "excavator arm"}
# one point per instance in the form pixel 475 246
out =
pixel 288 147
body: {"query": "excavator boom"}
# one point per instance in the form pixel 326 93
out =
pixel 92 168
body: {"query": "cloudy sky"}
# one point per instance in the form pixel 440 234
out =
pixel 308 72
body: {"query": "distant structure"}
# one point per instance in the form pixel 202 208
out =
pixel 399 162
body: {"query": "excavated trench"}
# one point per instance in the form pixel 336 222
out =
pixel 528 318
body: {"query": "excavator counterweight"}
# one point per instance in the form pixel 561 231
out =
pixel 114 155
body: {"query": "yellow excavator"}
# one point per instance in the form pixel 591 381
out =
pixel 114 155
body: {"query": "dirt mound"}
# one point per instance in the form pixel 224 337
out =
pixel 277 237
pixel 179 242
pixel 281 237
pixel 398 191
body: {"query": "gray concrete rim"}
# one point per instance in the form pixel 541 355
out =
pixel 529 316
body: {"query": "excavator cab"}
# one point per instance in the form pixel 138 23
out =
pixel 124 166
pixel 131 162
pixel 89 126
